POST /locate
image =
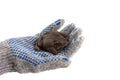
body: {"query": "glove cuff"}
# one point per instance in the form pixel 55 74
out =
pixel 6 58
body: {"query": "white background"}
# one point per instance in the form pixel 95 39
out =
pixel 99 56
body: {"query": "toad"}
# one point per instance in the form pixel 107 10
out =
pixel 52 41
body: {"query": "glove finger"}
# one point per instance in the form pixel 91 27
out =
pixel 68 28
pixel 41 57
pixel 57 60
pixel 54 26
pixel 73 46
pixel 48 56
pixel 74 33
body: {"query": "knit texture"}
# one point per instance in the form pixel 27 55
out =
pixel 23 66
pixel 6 58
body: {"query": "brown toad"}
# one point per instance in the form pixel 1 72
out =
pixel 52 41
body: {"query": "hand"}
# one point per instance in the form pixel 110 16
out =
pixel 27 59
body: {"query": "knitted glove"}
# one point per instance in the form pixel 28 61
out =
pixel 19 55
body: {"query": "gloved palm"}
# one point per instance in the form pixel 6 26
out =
pixel 27 59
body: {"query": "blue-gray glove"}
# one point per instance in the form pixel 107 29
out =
pixel 19 55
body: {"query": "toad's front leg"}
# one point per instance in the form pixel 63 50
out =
pixel 53 50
